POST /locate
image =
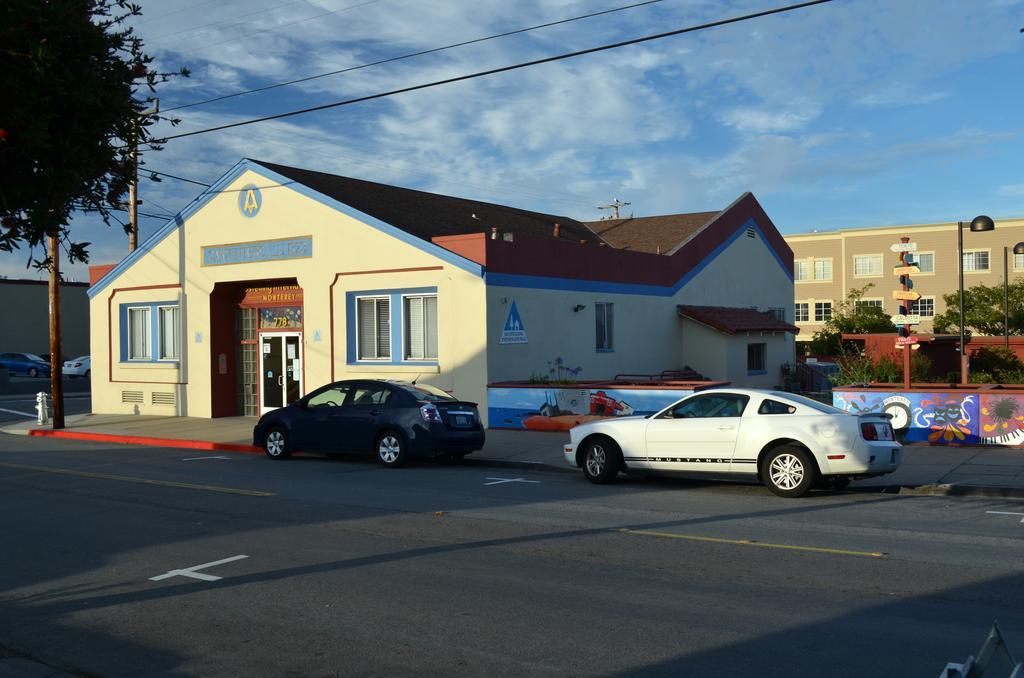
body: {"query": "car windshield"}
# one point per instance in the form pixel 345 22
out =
pixel 809 402
pixel 425 392
pixel 33 356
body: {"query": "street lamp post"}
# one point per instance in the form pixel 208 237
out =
pixel 1017 249
pixel 979 224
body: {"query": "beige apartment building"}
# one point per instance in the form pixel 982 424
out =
pixel 828 264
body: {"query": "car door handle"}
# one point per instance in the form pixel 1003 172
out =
pixel 726 427
pixel 375 412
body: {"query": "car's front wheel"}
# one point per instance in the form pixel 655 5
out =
pixel 601 460
pixel 391 449
pixel 33 372
pixel 277 444
pixel 789 471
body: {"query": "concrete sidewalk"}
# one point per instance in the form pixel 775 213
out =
pixel 926 469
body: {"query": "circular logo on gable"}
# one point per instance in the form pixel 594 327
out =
pixel 250 199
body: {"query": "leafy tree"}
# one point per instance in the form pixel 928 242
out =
pixel 861 369
pixel 996 365
pixel 850 316
pixel 983 310
pixel 74 80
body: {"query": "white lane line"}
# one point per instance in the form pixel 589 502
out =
pixel 1008 513
pixel 191 571
pixel 218 456
pixel 499 481
pixel 30 415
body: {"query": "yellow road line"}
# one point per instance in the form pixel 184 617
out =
pixel 750 542
pixel 133 479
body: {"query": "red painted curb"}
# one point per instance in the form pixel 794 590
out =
pixel 144 440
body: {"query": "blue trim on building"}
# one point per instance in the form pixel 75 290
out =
pixel 395 311
pixel 756 373
pixel 241 167
pixel 608 287
pixel 154 330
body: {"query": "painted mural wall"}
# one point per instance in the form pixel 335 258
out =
pixel 943 418
pixel 559 409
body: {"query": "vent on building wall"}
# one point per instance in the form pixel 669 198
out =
pixel 131 397
pixel 163 398
pixel 751 233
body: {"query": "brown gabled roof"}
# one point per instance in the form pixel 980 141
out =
pixel 655 235
pixel 732 320
pixel 428 215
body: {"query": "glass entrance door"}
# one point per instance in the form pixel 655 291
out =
pixel 281 369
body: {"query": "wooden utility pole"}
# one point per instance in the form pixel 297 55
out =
pixel 133 190
pixel 614 206
pixel 56 359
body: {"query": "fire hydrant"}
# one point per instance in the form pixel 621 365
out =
pixel 41 408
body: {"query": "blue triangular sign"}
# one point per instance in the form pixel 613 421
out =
pixel 514 331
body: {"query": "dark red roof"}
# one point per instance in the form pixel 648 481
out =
pixel 655 235
pixel 732 320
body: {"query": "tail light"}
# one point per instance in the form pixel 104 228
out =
pixel 876 431
pixel 429 412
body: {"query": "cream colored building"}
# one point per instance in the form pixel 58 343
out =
pixel 278 280
pixel 828 264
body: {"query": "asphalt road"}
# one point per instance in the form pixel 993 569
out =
pixel 15 408
pixel 336 567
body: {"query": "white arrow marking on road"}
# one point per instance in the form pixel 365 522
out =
pixel 499 481
pixel 24 414
pixel 1008 513
pixel 219 456
pixel 191 571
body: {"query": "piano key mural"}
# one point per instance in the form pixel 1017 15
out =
pixel 949 417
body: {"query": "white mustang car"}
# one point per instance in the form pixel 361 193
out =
pixel 789 442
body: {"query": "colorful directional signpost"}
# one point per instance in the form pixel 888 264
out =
pixel 905 294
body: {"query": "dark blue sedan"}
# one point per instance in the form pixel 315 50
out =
pixel 25 363
pixel 395 420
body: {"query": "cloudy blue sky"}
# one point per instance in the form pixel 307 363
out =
pixel 851 113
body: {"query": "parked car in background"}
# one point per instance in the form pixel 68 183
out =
pixel 25 363
pixel 394 420
pixel 790 443
pixel 79 367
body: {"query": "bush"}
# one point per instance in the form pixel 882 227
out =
pixel 861 370
pixel 996 365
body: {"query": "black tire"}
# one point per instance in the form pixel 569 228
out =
pixel 455 458
pixel 391 449
pixel 839 483
pixel 789 471
pixel 277 443
pixel 602 460
pixel 33 372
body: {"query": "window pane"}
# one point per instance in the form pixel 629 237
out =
pixel 822 311
pixel 823 269
pixel 800 313
pixel 1018 261
pixel 367 327
pixel 414 328
pixel 599 326
pixel 756 357
pixel 430 327
pixel 169 333
pixel 138 334
pixel 800 270
pixel 975 261
pixel 383 328
pixel 609 326
pixel 867 265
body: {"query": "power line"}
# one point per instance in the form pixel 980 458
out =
pixel 414 54
pixel 171 176
pixel 503 69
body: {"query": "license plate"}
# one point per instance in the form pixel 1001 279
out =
pixel 461 420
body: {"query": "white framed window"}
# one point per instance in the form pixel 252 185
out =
pixel 419 317
pixel 799 270
pixel 1018 262
pixel 822 269
pixel 865 303
pixel 923 260
pixel 801 312
pixel 924 307
pixel 169 332
pixel 867 265
pixel 140 338
pixel 777 313
pixel 822 311
pixel 976 260
pixel 604 327
pixel 373 328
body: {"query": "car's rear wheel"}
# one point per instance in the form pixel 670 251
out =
pixel 33 372
pixel 601 460
pixel 277 444
pixel 391 449
pixel 789 471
